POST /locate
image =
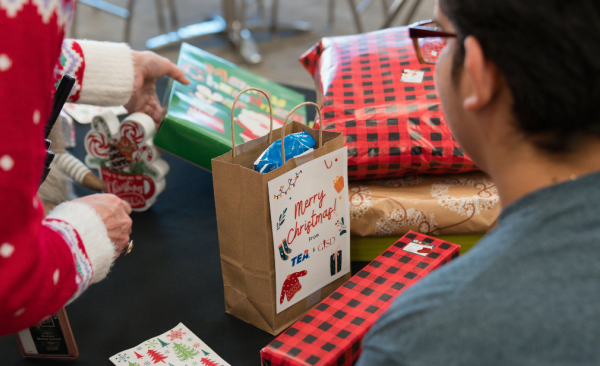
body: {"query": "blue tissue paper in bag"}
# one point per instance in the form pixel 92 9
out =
pixel 295 144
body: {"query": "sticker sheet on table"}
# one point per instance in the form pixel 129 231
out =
pixel 310 218
pixel 176 347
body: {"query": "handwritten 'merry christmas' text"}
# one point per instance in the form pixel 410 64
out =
pixel 316 218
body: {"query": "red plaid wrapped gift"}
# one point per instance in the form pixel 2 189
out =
pixel 392 127
pixel 331 333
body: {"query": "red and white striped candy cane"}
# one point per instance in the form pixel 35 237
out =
pixel 132 131
pixel 97 145
pixel 99 124
pixel 144 151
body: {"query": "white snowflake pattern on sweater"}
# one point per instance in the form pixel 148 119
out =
pixel 72 250
pixel 64 9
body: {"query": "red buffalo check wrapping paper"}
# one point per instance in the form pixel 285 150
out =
pixel 331 333
pixel 176 347
pixel 372 88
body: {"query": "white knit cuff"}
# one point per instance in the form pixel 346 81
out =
pixel 108 76
pixel 92 231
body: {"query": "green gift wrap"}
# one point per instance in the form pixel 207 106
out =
pixel 196 126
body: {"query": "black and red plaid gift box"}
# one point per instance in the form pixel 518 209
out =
pixel 331 333
pixel 392 128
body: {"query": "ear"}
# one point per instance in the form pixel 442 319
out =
pixel 481 76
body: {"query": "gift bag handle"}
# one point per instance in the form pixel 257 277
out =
pixel 233 109
pixel 288 117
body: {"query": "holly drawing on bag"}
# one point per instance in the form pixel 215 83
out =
pixel 281 219
pixel 184 352
pixel 156 356
pixel 343 228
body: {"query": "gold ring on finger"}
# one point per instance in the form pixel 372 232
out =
pixel 129 247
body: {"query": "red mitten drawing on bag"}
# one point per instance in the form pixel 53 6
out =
pixel 291 286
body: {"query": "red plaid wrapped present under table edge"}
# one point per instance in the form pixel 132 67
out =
pixel 331 333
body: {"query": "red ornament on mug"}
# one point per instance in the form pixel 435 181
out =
pixel 126 158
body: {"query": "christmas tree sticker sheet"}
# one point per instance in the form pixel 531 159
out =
pixel 176 347
pixel 310 220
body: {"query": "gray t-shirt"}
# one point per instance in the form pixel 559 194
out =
pixel 527 294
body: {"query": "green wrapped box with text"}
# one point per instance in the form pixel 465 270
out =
pixel 197 124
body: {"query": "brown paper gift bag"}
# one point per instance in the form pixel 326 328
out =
pixel 244 225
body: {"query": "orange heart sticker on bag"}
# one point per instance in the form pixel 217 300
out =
pixel 338 184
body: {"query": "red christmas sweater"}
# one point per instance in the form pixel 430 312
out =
pixel 291 286
pixel 44 263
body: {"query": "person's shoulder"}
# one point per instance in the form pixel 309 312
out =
pixel 442 302
pixel 511 298
pixel 421 310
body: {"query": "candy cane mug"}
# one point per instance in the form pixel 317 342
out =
pixel 126 158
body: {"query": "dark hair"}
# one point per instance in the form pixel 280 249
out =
pixel 549 54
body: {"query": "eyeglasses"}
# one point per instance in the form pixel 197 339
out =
pixel 429 40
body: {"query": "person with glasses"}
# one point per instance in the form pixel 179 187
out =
pixel 519 83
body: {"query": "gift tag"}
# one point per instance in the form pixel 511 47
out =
pixel 176 347
pixel 419 248
pixel 412 76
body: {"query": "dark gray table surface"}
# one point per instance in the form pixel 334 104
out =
pixel 173 275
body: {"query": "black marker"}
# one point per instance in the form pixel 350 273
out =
pixel 60 98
